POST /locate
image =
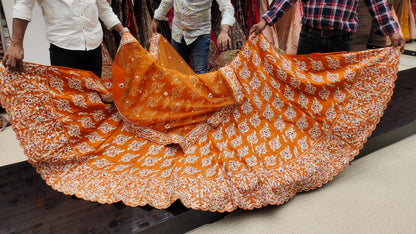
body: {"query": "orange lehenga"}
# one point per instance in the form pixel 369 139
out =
pixel 253 133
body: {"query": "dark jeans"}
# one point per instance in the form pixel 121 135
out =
pixel 198 51
pixel 90 60
pixel 312 43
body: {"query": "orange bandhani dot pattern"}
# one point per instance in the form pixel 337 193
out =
pixel 253 133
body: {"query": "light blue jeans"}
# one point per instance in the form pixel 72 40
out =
pixel 197 53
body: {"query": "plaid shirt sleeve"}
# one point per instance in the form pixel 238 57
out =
pixel 384 19
pixel 278 10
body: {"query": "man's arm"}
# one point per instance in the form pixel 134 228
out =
pixel 274 14
pixel 108 17
pixel 22 15
pixel 160 14
pixel 228 20
pixel 387 24
pixel 13 59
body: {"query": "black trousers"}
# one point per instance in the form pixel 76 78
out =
pixel 90 60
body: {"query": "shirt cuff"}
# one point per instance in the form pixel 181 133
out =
pixel 228 21
pixel 22 12
pixel 269 20
pixel 110 21
pixel 388 29
pixel 160 16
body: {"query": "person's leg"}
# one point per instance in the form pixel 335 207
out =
pixel 182 49
pixel 200 54
pixel 309 43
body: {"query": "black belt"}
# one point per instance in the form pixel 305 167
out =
pixel 325 33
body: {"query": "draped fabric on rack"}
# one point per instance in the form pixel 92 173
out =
pixel 412 19
pixel 246 15
pixel 249 12
pixel 250 134
pixel 129 18
pixel 163 26
pixel 288 29
pixel 218 58
pixel 111 39
pixel 137 16
pixel 143 15
pixel 403 9
pixel 242 12
pixel 405 20
pixel 268 32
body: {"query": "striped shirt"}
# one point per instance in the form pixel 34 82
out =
pixel 336 14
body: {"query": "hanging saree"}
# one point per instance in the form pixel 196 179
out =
pixel 412 20
pixel 402 11
pixel 268 32
pixel 288 29
pixel 252 133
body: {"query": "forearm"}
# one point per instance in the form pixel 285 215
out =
pixel 13 58
pixel 227 12
pixel 19 29
pixel 277 11
pixel 119 28
pixel 107 15
pixel 163 9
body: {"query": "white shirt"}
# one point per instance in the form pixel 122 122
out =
pixel 70 24
pixel 192 18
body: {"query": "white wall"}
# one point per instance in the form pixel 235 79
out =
pixel 35 44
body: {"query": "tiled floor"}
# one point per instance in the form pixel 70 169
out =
pixel 407 62
pixel 411 46
pixel 10 152
pixel 374 195
pixel 408 59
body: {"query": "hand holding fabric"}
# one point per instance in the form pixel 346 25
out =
pixel 398 40
pixel 120 29
pixel 13 59
pixel 258 28
pixel 153 26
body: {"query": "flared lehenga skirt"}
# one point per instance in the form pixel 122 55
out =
pixel 253 133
